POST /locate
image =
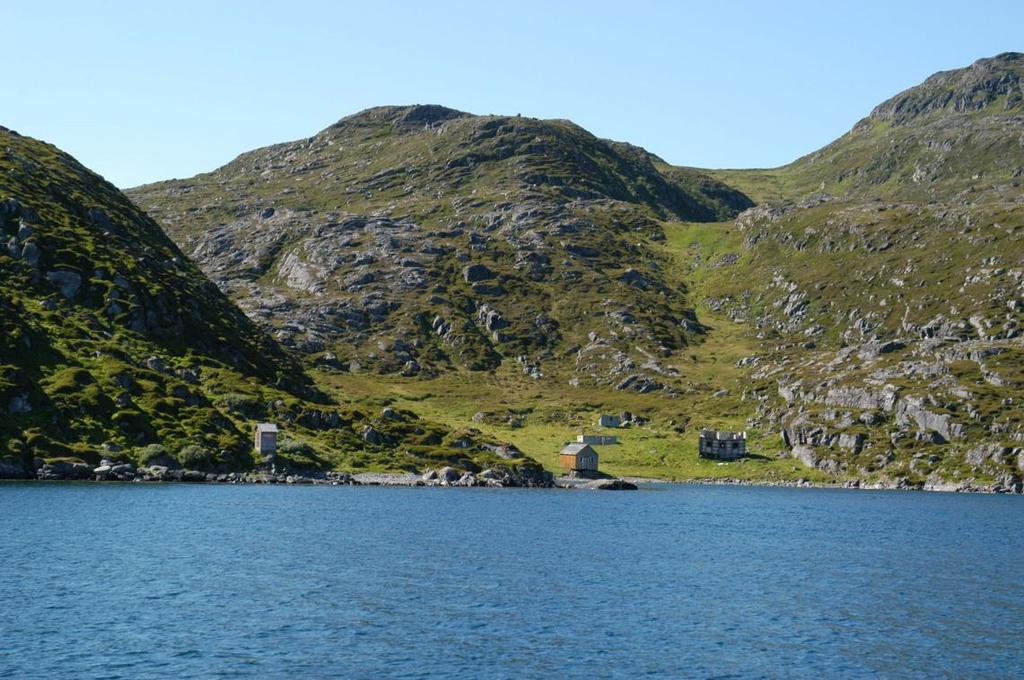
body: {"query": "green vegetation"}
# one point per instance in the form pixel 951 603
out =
pixel 114 345
pixel 444 283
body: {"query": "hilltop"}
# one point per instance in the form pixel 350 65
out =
pixel 419 240
pixel 952 138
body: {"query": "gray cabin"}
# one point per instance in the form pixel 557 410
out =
pixel 722 445
pixel 604 420
pixel 265 439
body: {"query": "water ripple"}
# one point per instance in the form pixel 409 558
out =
pixel 126 581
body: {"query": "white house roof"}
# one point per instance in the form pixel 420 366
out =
pixel 266 427
pixel 575 448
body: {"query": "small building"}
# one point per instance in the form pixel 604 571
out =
pixel 578 457
pixel 722 445
pixel 265 439
pixel 605 420
pixel 597 439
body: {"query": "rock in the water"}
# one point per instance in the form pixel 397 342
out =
pixel 610 485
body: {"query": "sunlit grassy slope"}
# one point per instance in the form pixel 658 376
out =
pixel 550 412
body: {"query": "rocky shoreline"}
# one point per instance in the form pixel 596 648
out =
pixel 111 471
pixel 513 477
pixel 967 486
pixel 498 477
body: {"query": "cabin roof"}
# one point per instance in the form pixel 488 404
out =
pixel 266 427
pixel 722 435
pixel 576 448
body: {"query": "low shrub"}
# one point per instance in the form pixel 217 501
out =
pixel 151 454
pixel 194 457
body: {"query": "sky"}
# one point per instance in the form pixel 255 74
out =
pixel 142 91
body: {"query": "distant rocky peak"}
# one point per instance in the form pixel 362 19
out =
pixel 962 90
pixel 416 116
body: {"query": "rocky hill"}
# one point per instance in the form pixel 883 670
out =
pixel 886 281
pixel 956 137
pixel 115 345
pixel 862 321
pixel 418 240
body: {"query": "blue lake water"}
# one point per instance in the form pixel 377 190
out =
pixel 176 580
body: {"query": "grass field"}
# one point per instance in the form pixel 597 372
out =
pixel 550 412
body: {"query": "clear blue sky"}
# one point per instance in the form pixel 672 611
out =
pixel 141 91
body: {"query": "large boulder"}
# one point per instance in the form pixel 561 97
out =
pixel 448 476
pixel 610 485
pixel 374 436
pixel 67 282
pixel 65 470
pixel 12 469
pixel 19 403
pixel 476 272
pixel 985 452
pixel 806 455
pixel 852 442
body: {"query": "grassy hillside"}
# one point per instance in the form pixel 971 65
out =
pixel 420 240
pixel 518 277
pixel 883 275
pixel 112 342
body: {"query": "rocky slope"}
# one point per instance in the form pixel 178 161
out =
pixel 890 306
pixel 876 291
pixel 956 137
pixel 418 240
pixel 114 345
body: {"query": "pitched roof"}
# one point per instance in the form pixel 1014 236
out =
pixel 266 427
pixel 575 448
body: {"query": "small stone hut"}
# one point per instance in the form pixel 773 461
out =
pixel 265 439
pixel 722 445
pixel 578 457
pixel 605 420
pixel 597 439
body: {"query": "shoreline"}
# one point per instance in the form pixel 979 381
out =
pixel 468 480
